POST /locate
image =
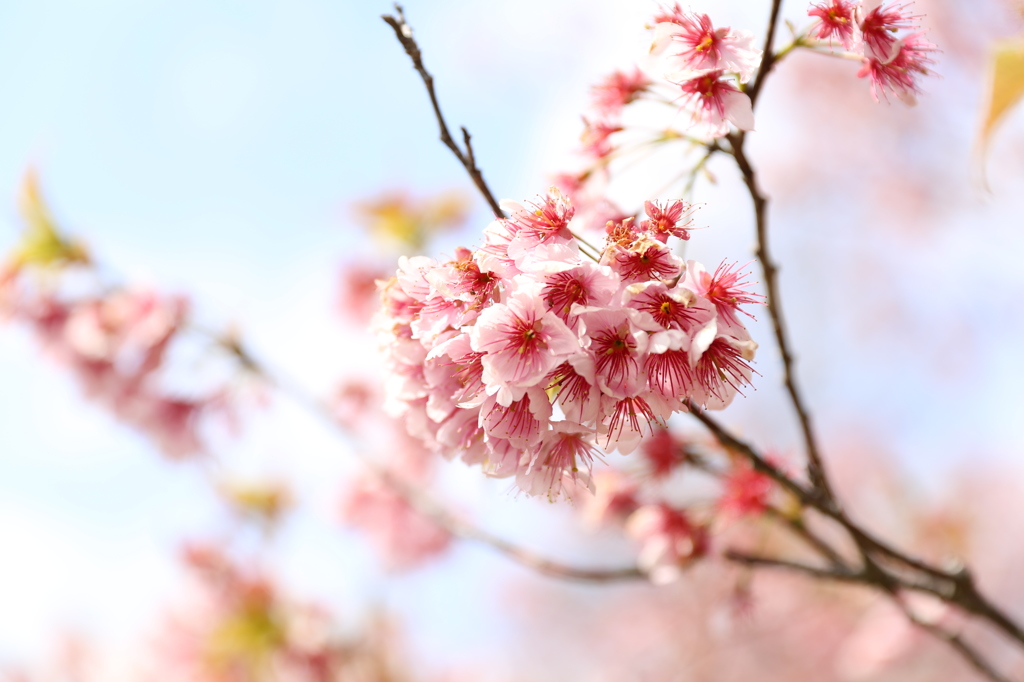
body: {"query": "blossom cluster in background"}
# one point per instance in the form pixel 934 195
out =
pixel 114 341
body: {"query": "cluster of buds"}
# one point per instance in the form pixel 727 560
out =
pixel 527 357
pixel 673 533
pixel 885 36
pixel 709 66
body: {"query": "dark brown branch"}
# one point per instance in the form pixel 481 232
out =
pixel 795 525
pixel 807 498
pixel 837 573
pixel 404 34
pixel 954 587
pixel 815 468
pixel 799 528
pixel 969 653
pixel 868 577
pixel 767 56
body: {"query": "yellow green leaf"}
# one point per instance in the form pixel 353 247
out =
pixel 1006 87
pixel 41 241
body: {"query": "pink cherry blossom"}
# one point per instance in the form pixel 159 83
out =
pixel 745 492
pixel 672 219
pixel 835 21
pixel 617 90
pixel 403 538
pixel 879 26
pixel 663 452
pixel 564 458
pixel 643 260
pixel 690 45
pixel 670 540
pixel 899 74
pixel 727 288
pixel 714 103
pixel 521 343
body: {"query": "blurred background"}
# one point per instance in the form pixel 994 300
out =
pixel 223 150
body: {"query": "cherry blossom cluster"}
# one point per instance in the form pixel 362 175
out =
pixel 525 356
pixel 885 35
pixel 708 66
pixel 115 345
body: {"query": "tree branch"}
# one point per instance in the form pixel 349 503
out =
pixel 815 467
pixel 768 57
pixel 404 34
pixel 419 500
pixel 955 640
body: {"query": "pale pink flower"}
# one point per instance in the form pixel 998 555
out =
pixel 879 25
pixel 575 389
pixel 672 219
pixel 669 307
pixel 690 45
pixel 461 278
pixel 668 366
pixel 522 423
pixel 714 103
pixel 492 256
pixel 587 284
pixel 541 238
pixel 564 457
pixel 643 260
pixel 745 492
pixel 618 347
pixel 632 418
pixel 624 233
pixel 521 342
pixel 464 366
pixel 403 538
pixel 899 74
pixel 461 434
pixel 670 541
pixel 722 370
pixel 617 90
pixel 727 288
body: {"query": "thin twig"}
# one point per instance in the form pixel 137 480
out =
pixel 954 587
pixel 753 560
pixel 953 639
pixel 420 501
pixel 468 160
pixel 799 528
